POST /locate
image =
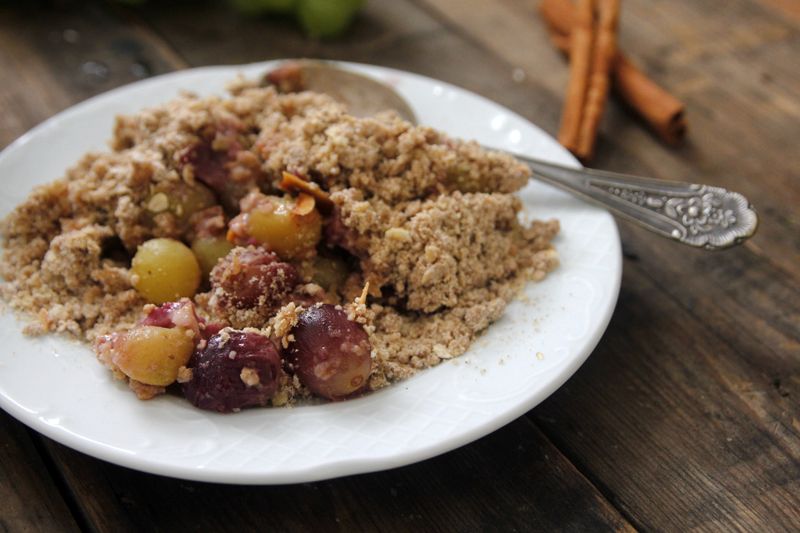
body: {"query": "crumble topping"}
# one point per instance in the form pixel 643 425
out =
pixel 429 225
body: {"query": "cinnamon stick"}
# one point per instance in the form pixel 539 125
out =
pixel 662 112
pixel 580 53
pixel 604 50
pixel 560 15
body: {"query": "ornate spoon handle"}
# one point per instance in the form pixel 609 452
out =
pixel 698 215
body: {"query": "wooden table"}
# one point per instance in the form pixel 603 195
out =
pixel 686 415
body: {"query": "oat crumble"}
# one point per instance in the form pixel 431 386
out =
pixel 423 228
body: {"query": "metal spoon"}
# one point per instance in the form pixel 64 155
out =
pixel 703 216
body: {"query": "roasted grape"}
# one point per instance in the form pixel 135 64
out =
pixel 165 270
pixel 329 272
pixel 209 250
pixel 152 354
pixel 215 168
pixel 179 314
pixel 236 369
pixel 326 18
pixel 252 277
pixel 179 199
pixel 330 353
pixel 290 228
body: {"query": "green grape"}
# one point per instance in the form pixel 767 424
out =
pixel 164 270
pixel 153 355
pixel 256 7
pixel 326 18
pixel 209 250
pixel 329 272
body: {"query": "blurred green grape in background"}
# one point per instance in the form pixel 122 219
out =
pixel 326 18
pixel 318 18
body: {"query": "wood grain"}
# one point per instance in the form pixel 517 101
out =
pixel 696 426
pixel 29 499
pixel 735 325
pixel 685 417
pixel 528 486
pixel 691 60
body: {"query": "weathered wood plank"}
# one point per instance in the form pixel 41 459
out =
pixel 704 348
pixel 666 410
pixel 61 56
pixel 512 480
pixel 29 499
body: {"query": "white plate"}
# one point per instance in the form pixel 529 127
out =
pixel 57 387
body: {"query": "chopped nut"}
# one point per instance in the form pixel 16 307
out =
pixel 184 375
pixel 293 183
pixel 250 377
pixel 304 205
pixel 398 234
pixel 158 203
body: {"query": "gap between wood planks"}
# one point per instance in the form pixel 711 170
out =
pixel 661 248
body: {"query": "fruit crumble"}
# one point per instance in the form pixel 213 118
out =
pixel 265 247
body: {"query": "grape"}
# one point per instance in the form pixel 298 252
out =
pixel 165 270
pixel 252 277
pixel 179 314
pixel 211 167
pixel 330 353
pixel 151 354
pixel 209 250
pixel 329 272
pixel 236 369
pixel 326 18
pixel 277 225
pixel 180 199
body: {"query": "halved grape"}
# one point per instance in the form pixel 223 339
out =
pixel 236 369
pixel 180 314
pixel 330 353
pixel 151 354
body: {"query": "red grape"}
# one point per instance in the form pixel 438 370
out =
pixel 252 277
pixel 236 369
pixel 330 353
